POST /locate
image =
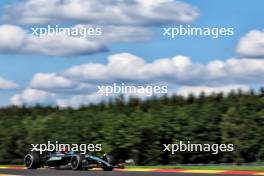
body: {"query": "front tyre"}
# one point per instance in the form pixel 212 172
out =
pixel 32 160
pixel 105 168
pixel 76 162
pixel 110 159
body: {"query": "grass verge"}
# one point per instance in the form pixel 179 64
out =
pixel 236 168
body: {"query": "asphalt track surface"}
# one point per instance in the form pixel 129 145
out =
pixel 52 172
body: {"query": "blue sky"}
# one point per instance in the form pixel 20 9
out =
pixel 241 15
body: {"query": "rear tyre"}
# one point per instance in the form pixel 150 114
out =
pixel 76 162
pixel 32 160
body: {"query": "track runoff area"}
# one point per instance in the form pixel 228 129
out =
pixel 22 171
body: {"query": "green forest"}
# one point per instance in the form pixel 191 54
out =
pixel 136 129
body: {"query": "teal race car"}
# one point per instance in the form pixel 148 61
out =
pixel 74 161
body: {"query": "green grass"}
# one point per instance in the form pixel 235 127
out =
pixel 16 165
pixel 239 168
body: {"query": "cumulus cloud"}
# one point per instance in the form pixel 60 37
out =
pixel 105 12
pixel 208 90
pixel 58 83
pixel 252 44
pixel 120 20
pixel 80 100
pixel 80 82
pixel 120 66
pixel 14 39
pixel 31 97
pixel 7 84
pixel 51 80
pixel 126 67
pixel 178 70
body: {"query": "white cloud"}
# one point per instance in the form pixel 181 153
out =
pixel 120 20
pixel 118 12
pixel 58 83
pixel 7 84
pixel 178 70
pixel 79 83
pixel 14 39
pixel 208 90
pixel 50 80
pixel 128 67
pixel 31 97
pixel 175 70
pixel 252 44
pixel 119 66
pixel 80 100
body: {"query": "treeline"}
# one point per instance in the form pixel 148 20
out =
pixel 136 129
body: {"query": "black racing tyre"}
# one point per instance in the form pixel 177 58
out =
pixel 32 160
pixel 105 168
pixel 76 162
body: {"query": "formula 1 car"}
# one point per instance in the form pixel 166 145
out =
pixel 35 160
